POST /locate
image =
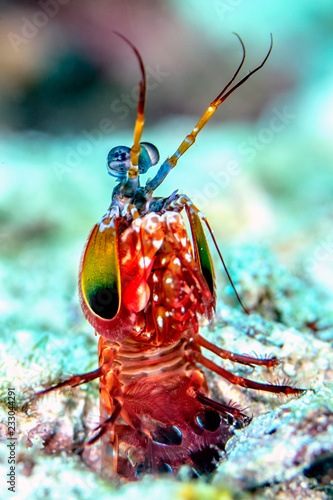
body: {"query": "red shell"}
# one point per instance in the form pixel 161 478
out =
pixel 162 289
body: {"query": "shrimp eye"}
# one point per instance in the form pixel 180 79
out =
pixel 149 156
pixel 119 161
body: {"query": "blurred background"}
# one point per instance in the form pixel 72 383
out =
pixel 62 66
pixel 261 170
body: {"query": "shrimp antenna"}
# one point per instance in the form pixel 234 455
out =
pixel 140 120
pixel 171 162
pixel 225 267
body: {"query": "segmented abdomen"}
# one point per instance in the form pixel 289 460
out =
pixel 158 387
pixel 154 364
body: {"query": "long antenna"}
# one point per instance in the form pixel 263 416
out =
pixel 171 162
pixel 140 120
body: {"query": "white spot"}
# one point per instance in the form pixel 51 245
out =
pixel 152 220
pixel 188 257
pixel 163 261
pixel 157 244
pixel 182 310
pixel 151 228
pixel 144 262
pixel 137 223
pixel 108 225
pixel 167 314
pixel 125 210
pixel 177 261
pixel 160 321
pixel 168 280
pixel 155 297
pixel 173 218
pixel 183 241
pixel 155 278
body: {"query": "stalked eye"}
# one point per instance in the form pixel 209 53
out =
pixel 209 420
pixel 149 156
pixel 119 161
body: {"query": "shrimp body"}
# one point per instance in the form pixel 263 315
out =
pixel 147 286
